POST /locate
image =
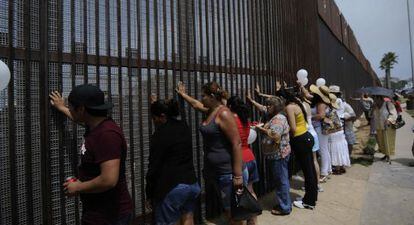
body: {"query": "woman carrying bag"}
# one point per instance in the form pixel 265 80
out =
pixel 385 116
pixel 276 148
pixel 223 150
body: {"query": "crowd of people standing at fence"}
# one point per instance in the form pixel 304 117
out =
pixel 300 129
pixel 296 124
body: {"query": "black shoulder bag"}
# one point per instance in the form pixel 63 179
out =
pixel 244 206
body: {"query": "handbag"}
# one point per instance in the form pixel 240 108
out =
pixel 331 123
pixel 244 206
pixel 399 122
pixel 269 146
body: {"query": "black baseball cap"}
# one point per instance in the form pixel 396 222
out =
pixel 89 96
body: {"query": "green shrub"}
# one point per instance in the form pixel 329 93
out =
pixel 370 146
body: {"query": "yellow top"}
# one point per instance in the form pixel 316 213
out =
pixel 301 127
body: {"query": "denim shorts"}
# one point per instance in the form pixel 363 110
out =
pixel 177 202
pixel 250 173
pixel 315 147
pixel 225 189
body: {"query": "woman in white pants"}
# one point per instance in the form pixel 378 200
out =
pixel 320 106
pixel 338 146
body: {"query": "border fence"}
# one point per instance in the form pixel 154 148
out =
pixel 130 49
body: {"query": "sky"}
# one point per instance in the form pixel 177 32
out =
pixel 381 26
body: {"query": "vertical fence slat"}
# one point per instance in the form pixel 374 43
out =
pixel 44 112
pixel 11 111
pixel 165 35
pixel 131 149
pixel 60 119
pixel 28 113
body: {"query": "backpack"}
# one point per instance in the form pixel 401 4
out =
pixel 331 123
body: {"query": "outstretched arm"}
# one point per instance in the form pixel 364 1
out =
pixel 57 101
pixel 197 105
pixel 257 105
pixel 259 93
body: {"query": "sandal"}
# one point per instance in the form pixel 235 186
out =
pixel 323 179
pixel 337 172
pixel 278 213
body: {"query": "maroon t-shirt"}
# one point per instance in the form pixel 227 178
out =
pixel 105 142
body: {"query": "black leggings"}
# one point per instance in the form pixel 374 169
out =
pixel 302 147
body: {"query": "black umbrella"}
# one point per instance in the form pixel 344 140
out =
pixel 409 91
pixel 377 91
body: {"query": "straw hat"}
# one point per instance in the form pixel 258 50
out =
pixel 306 100
pixel 333 101
pixel 334 89
pixel 322 91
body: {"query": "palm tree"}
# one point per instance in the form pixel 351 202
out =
pixel 387 63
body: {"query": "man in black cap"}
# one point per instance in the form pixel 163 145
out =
pixel 102 183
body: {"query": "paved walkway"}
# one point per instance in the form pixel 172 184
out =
pixel 390 189
pixel 340 203
pixel 379 194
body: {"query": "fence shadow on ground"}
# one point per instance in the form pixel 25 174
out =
pixel 365 160
pixel 405 161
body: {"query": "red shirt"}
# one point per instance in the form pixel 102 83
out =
pixel 244 132
pixel 398 107
pixel 105 142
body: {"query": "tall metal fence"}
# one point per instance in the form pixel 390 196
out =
pixel 130 49
pixel 341 36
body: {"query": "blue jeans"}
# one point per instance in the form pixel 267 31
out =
pixel 281 178
pixel 225 189
pixel 177 202
pixel 250 173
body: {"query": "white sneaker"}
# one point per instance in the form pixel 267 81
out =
pixel 298 204
pixel 320 189
pixel 297 178
pixel 301 205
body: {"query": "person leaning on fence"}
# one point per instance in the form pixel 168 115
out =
pixel 223 152
pixel 385 115
pixel 241 115
pixel 172 187
pixel 276 149
pixel 302 143
pixel 102 182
